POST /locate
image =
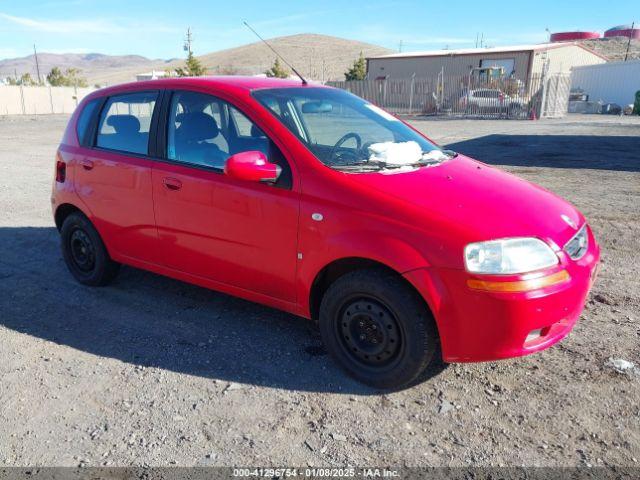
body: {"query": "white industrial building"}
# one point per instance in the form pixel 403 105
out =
pixel 615 82
pixel 152 75
pixel 521 61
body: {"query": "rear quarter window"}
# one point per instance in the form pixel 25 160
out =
pixel 83 126
pixel 125 122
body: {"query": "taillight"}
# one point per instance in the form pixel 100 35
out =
pixel 61 169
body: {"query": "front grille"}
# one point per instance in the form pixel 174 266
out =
pixel 578 245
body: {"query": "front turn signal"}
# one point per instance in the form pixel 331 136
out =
pixel 519 285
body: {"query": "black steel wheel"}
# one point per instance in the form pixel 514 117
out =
pixel 369 332
pixel 84 252
pixel 377 328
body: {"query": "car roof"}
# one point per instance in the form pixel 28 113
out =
pixel 223 82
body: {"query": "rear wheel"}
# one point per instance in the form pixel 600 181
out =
pixel 84 252
pixel 377 328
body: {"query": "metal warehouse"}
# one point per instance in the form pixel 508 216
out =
pixel 615 82
pixel 521 62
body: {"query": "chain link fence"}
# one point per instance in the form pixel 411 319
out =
pixel 467 96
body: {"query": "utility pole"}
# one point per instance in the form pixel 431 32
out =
pixel 188 41
pixel 35 54
pixel 477 34
pixel 633 24
pixel 400 47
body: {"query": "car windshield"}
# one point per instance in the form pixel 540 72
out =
pixel 346 132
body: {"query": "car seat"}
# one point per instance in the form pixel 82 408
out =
pixel 127 136
pixel 192 139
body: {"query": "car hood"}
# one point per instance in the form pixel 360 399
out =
pixel 482 201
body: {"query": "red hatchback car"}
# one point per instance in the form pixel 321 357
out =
pixel 311 200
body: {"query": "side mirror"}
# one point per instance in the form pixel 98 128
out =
pixel 252 166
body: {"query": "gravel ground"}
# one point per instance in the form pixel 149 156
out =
pixel 151 371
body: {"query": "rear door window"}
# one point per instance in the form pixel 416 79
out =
pixel 125 122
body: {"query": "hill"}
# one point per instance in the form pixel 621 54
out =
pixel 320 57
pixel 316 56
pixel 93 65
pixel 614 48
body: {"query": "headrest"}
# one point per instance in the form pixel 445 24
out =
pixel 197 126
pixel 124 123
pixel 256 132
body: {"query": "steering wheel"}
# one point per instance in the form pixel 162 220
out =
pixel 339 143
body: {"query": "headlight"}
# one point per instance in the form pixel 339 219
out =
pixel 578 245
pixel 511 255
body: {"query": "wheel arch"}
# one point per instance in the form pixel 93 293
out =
pixel 63 211
pixel 339 267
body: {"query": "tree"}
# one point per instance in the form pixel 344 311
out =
pixel 27 80
pixel 358 70
pixel 55 77
pixel 74 79
pixel 70 78
pixel 277 70
pixel 192 68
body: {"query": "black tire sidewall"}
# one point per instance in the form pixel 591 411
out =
pixel 414 320
pixel 104 267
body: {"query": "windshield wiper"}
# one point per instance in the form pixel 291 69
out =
pixel 377 165
pixel 359 167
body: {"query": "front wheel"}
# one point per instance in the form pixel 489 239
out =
pixel 377 328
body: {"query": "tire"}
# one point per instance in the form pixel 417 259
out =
pixel 515 110
pixel 84 252
pixel 377 328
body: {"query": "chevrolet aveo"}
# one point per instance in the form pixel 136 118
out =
pixel 313 201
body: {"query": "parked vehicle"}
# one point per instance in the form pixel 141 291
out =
pixel 490 100
pixel 311 200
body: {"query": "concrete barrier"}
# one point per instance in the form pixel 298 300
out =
pixel 20 100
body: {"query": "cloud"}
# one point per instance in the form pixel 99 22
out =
pixel 83 26
pixel 60 26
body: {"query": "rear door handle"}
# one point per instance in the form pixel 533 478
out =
pixel 172 183
pixel 87 164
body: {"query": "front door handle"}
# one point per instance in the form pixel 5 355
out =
pixel 172 183
pixel 86 164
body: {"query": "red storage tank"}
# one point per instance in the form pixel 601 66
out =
pixel 571 36
pixel 623 31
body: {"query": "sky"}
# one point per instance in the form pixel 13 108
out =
pixel 156 28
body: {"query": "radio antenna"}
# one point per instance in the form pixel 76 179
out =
pixel 304 82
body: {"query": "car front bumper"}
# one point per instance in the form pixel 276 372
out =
pixel 476 326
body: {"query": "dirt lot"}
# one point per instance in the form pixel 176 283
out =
pixel 150 371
